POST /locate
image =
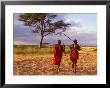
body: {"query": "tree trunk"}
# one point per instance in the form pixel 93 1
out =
pixel 41 41
pixel 42 33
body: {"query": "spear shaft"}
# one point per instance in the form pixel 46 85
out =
pixel 68 37
pixel 64 35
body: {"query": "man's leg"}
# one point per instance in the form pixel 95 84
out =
pixel 58 67
pixel 75 66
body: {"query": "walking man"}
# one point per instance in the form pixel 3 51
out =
pixel 74 55
pixel 58 49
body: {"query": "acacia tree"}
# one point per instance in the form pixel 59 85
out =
pixel 43 23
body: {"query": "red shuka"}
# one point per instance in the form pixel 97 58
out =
pixel 74 53
pixel 57 54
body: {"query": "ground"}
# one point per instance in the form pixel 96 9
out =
pixel 39 62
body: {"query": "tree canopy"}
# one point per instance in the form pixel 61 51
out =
pixel 43 23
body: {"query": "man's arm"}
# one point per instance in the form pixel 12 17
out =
pixel 63 49
pixel 78 47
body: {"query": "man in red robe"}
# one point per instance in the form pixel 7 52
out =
pixel 74 54
pixel 58 49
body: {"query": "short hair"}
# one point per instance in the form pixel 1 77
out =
pixel 59 41
pixel 75 41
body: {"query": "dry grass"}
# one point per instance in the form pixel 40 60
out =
pixel 38 64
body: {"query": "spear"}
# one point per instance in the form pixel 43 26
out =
pixel 68 37
pixel 64 35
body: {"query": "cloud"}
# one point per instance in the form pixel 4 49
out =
pixel 24 43
pixel 85 36
pixel 78 31
pixel 74 23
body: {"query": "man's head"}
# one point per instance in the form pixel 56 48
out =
pixel 59 41
pixel 75 41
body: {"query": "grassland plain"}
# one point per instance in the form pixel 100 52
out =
pixel 31 60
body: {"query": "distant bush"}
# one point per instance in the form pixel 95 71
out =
pixel 34 49
pixel 95 49
pixel 29 49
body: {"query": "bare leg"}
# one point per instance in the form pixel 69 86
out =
pixel 58 69
pixel 75 67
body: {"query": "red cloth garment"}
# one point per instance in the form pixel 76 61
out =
pixel 57 54
pixel 74 53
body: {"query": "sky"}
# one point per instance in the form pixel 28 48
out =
pixel 83 28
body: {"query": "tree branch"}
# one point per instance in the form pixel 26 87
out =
pixel 48 33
